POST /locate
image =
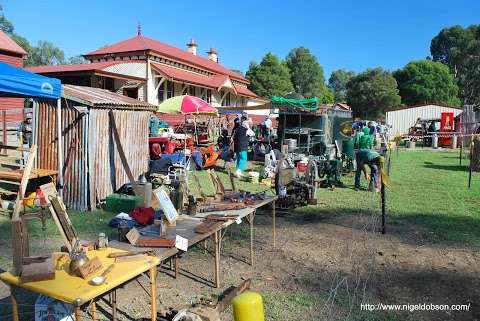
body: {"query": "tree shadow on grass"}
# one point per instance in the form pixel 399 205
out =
pixel 457 168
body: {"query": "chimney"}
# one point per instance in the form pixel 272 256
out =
pixel 192 47
pixel 213 55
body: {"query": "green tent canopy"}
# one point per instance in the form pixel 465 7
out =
pixel 310 104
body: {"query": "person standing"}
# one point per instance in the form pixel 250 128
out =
pixel 372 159
pixel 25 135
pixel 240 146
pixel 266 126
pixel 366 140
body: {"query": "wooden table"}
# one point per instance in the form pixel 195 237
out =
pixel 77 291
pixel 185 227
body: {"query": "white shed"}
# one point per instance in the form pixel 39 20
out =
pixel 401 119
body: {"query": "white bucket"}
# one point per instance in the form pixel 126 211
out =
pixel 254 177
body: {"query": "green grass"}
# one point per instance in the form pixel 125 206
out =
pixel 428 190
pixel 282 306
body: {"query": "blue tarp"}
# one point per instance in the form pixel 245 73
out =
pixel 229 111
pixel 16 82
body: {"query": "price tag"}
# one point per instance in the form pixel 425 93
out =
pixel 181 243
pixel 238 220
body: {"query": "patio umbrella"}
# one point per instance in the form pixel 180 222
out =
pixel 186 105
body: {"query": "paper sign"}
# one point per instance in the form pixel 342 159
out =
pixel 238 220
pixel 181 243
pixel 166 204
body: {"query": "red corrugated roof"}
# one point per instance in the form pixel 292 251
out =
pixel 245 91
pixel 7 44
pixel 140 43
pixel 183 75
pixel 79 67
pixel 215 81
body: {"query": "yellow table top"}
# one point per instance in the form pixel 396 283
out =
pixel 68 288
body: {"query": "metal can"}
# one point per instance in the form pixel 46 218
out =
pixel 102 241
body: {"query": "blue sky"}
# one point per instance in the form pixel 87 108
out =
pixel 354 35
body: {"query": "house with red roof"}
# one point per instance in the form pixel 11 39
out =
pixel 152 71
pixel 11 53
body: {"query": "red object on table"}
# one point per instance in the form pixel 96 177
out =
pixel 446 126
pixel 143 215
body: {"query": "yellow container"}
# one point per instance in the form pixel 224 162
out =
pixel 248 306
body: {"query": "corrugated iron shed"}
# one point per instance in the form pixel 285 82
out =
pixel 92 168
pixel 401 119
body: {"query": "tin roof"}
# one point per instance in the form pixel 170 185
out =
pixel 102 98
pixel 7 44
pixel 67 68
pixel 142 43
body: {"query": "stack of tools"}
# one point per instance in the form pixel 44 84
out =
pixel 245 197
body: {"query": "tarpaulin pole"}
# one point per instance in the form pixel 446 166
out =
pixel 59 147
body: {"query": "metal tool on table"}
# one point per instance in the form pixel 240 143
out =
pixel 99 280
pixel 129 253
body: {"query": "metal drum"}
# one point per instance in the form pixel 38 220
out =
pixel 291 143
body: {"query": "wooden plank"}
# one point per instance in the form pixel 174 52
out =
pixel 38 271
pixel 118 143
pixel 11 183
pixel 61 219
pixel 155 243
pixel 17 148
pixel 24 181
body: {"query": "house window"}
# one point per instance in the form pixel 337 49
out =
pixel 191 90
pixel 207 96
pixel 131 92
pixel 166 88
pixel 243 101
pixel 185 91
pixel 227 100
pixel 170 89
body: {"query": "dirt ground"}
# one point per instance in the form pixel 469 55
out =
pixel 322 268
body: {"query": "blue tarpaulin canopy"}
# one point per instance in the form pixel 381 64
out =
pixel 16 82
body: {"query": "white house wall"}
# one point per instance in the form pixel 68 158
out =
pixel 133 69
pixel 401 120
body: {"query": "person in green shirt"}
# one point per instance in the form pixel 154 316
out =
pixel 372 159
pixel 366 140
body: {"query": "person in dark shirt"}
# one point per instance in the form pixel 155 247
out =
pixel 240 146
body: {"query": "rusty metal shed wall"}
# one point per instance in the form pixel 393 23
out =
pixel 106 170
pixel 75 148
pixel 92 167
